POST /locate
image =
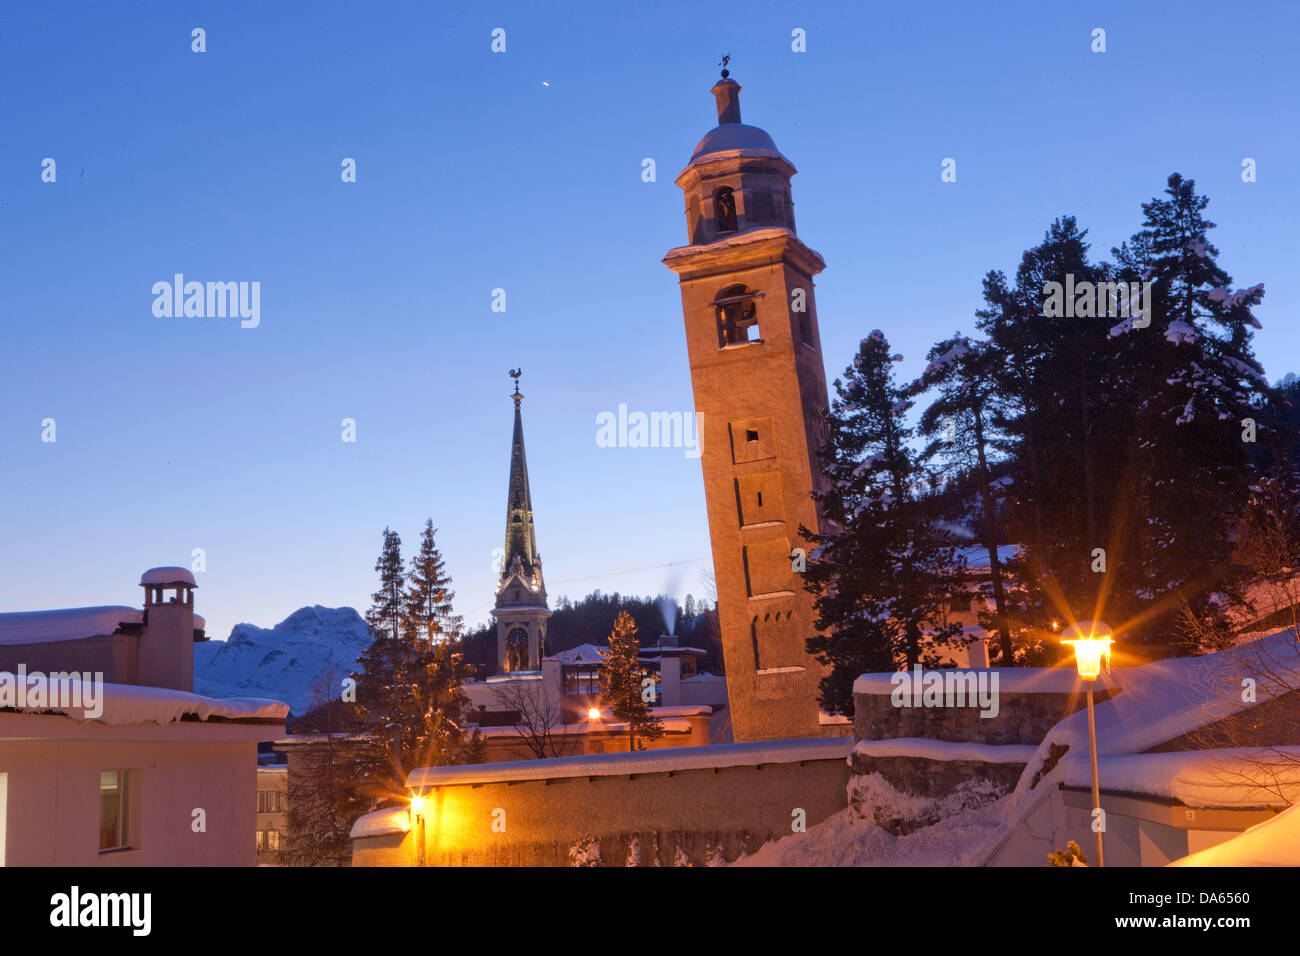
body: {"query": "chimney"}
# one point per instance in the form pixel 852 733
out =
pixel 727 93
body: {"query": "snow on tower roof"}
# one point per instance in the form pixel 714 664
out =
pixel 68 624
pixel 737 139
pixel 162 576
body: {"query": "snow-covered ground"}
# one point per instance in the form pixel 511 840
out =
pixel 282 662
pixel 847 840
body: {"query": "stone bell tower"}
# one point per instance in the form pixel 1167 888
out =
pixel 520 612
pixel 758 378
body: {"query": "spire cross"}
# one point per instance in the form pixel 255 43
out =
pixel 723 63
pixel 515 373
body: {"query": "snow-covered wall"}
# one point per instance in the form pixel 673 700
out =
pixel 696 805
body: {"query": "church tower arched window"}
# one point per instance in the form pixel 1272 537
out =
pixel 737 316
pixel 724 204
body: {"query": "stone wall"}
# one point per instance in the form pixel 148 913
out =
pixel 669 817
pixel 1022 718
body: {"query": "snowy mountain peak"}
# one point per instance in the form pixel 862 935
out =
pixel 282 662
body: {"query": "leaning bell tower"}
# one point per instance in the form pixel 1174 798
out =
pixel 757 374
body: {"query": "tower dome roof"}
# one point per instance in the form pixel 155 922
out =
pixel 736 136
pixel 731 135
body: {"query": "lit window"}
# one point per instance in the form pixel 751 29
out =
pixel 115 795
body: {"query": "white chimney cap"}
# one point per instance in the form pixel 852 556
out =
pixel 161 577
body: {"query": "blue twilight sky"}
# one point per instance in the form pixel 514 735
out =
pixel 473 174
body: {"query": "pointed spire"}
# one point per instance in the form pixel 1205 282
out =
pixel 521 542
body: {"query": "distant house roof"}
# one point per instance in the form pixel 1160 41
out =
pixel 69 624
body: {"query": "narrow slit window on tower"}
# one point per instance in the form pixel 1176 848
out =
pixel 760 499
pixel 751 434
pixel 724 205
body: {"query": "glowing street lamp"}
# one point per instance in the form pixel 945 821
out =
pixel 417 811
pixel 593 714
pixel 1091 641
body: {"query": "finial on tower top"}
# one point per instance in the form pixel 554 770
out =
pixel 727 92
pixel 515 373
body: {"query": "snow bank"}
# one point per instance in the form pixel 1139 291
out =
pixel 70 624
pixel 643 761
pixel 1274 842
pixel 1242 778
pixel 382 823
pixel 928 749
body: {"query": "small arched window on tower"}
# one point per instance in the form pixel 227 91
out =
pixel 737 310
pixel 724 206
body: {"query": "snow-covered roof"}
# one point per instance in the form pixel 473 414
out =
pixel 1275 842
pixel 733 241
pixel 131 704
pixel 68 624
pixel 641 761
pixel 160 576
pixel 930 749
pixel 582 654
pixel 977 557
pixel 382 823
pixel 737 139
pixel 672 725
pixel 1237 777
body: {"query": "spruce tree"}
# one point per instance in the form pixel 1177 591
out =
pixel 411 691
pixel 1201 404
pixel 883 569
pixel 620 675
pixel 429 614
pixel 961 422
pixel 387 614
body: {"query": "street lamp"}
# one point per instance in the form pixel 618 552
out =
pixel 417 811
pixel 1091 641
pixel 593 714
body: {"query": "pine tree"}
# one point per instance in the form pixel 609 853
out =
pixel 1199 390
pixel 429 615
pixel 411 691
pixel 387 614
pixel 620 675
pixel 883 569
pixel 962 423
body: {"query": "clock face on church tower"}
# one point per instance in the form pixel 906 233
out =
pixel 517 649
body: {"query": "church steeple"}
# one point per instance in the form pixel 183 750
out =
pixel 521 539
pixel 521 612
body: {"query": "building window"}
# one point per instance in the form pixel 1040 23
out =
pixel 805 329
pixel 724 203
pixel 582 681
pixel 270 801
pixel 737 316
pixel 116 794
pixel 268 840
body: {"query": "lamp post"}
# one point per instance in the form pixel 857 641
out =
pixel 1091 641
pixel 417 811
